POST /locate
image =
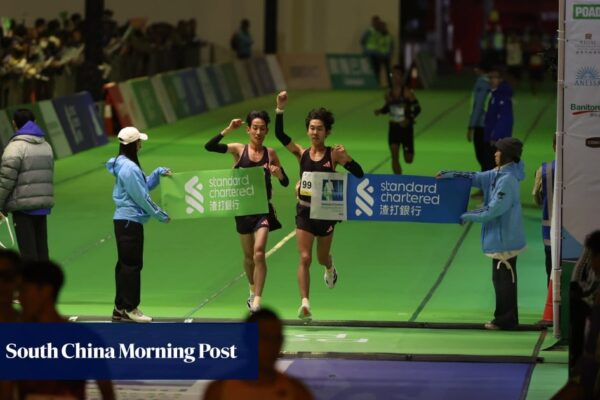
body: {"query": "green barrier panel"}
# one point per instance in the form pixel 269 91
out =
pixel 565 289
pixel 54 130
pixel 350 71
pixel 144 93
pixel 232 81
pixel 244 79
pixel 163 98
pixel 276 74
pixel 176 94
pixel 135 112
pixel 210 96
pixel 6 128
pixel 217 77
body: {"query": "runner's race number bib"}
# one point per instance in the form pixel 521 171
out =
pixel 307 184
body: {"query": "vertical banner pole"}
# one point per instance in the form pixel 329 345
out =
pixel 556 229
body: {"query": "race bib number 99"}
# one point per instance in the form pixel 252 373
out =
pixel 306 184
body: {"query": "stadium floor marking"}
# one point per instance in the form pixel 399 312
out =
pixel 442 274
pixel 214 295
pixel 535 354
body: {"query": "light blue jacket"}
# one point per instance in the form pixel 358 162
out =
pixel 501 213
pixel 131 191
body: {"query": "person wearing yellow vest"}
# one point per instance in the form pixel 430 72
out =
pixel 385 46
pixel 370 43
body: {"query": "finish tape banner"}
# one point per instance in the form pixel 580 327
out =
pixel 219 193
pixel 390 198
pixel 77 351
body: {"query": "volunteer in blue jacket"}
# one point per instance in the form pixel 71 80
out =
pixel 502 233
pixel 134 207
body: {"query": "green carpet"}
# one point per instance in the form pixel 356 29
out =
pixel 386 270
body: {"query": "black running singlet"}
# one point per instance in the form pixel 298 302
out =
pixel 325 164
pixel 246 162
pixel 398 109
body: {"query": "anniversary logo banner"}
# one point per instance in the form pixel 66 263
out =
pixel 128 351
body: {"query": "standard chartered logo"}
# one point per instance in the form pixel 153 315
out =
pixel 193 197
pixel 364 201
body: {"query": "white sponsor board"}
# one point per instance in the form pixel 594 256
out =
pixel 581 115
pixel 582 111
pixel 328 194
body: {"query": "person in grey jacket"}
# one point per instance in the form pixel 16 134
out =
pixel 26 185
pixel 502 233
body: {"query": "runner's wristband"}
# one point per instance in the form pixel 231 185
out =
pixel 285 181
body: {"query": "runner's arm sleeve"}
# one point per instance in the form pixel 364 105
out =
pixel 279 133
pixel 285 181
pixel 354 168
pixel 214 145
pixel 385 109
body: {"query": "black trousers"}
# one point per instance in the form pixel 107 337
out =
pixel 32 236
pixel 579 311
pixel 376 64
pixel 489 151
pixel 506 315
pixel 548 262
pixel 130 249
pixel 481 153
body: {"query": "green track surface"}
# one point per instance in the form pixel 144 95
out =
pixel 386 270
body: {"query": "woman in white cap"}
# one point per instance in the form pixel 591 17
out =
pixel 134 207
pixel 502 232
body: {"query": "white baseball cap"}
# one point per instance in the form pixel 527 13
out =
pixel 131 134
